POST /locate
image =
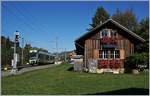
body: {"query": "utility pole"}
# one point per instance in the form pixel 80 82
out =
pixel 65 55
pixel 57 49
pixel 22 51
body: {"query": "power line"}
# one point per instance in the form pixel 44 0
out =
pixel 37 20
pixel 23 21
pixel 31 23
pixel 25 16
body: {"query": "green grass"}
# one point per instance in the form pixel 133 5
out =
pixel 58 80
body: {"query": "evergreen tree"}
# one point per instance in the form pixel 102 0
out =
pixel 6 51
pixel 118 16
pixel 144 29
pixel 9 51
pixel 100 16
pixel 144 33
pixel 127 19
pixel 3 51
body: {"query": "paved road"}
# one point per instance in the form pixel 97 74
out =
pixel 23 70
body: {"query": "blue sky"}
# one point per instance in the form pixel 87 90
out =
pixel 39 23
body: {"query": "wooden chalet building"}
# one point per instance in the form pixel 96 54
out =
pixel 109 43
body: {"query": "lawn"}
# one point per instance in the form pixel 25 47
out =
pixel 60 80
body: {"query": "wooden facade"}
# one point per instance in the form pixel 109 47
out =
pixel 94 46
pixel 109 43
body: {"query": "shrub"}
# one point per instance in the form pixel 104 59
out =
pixel 137 59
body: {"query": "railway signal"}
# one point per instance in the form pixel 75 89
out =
pixel 16 36
pixel 16 56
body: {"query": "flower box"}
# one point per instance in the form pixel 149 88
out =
pixel 108 40
pixel 121 70
pixel 100 71
pixel 116 71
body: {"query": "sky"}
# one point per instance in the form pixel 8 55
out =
pixel 40 23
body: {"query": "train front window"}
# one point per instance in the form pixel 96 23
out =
pixel 32 58
pixel 32 54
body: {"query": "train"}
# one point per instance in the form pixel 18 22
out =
pixel 38 57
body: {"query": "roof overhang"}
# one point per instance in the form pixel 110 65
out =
pixel 115 23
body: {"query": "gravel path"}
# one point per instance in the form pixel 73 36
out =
pixel 23 70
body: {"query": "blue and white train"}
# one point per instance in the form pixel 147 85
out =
pixel 38 57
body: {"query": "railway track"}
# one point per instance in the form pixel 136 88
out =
pixel 23 69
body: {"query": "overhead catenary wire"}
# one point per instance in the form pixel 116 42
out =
pixel 28 19
pixel 42 27
pixel 21 19
pixel 31 21
pixel 24 21
pixel 37 20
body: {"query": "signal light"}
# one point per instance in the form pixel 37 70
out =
pixel 17 36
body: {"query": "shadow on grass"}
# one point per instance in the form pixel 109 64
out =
pixel 70 69
pixel 128 91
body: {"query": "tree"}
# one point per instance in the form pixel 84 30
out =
pixel 9 51
pixel 144 28
pixel 118 16
pixel 27 48
pixel 100 16
pixel 137 59
pixel 3 51
pixel 6 51
pixel 144 33
pixel 127 19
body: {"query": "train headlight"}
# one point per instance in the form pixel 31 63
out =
pixel 5 68
pixel 35 50
pixel 31 51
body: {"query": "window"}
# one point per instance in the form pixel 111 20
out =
pixel 116 54
pixel 100 54
pixel 41 56
pixel 112 54
pixel 104 33
pixel 103 54
pixel 52 58
pixel 114 33
pixel 47 57
pixel 33 54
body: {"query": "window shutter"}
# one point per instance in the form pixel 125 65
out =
pixel 122 54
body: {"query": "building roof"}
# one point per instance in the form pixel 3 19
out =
pixel 115 23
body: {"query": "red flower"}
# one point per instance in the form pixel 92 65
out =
pixel 108 40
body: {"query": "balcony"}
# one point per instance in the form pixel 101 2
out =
pixel 108 40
